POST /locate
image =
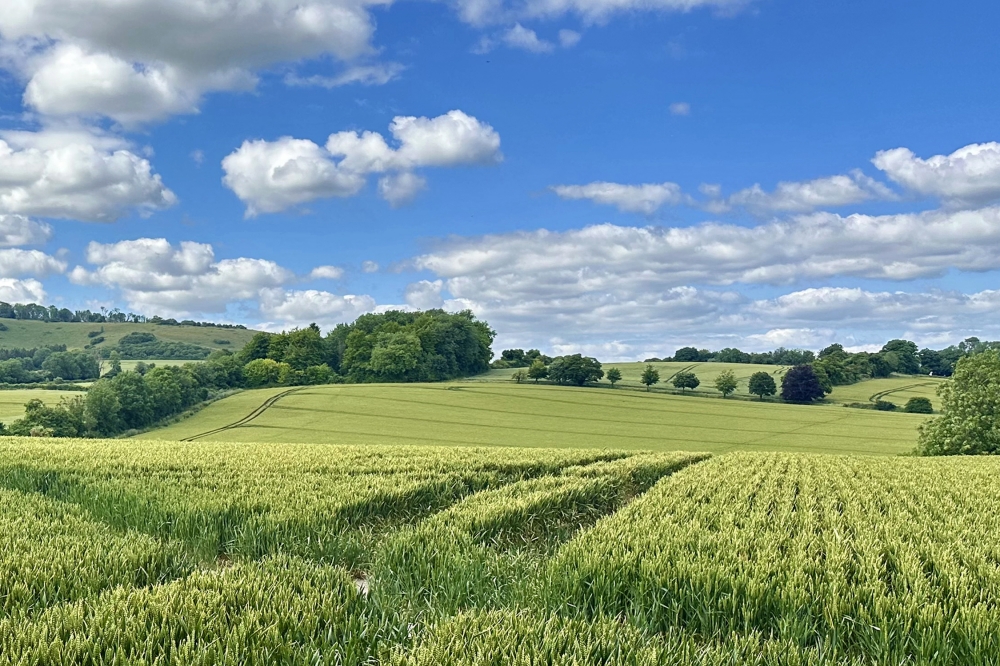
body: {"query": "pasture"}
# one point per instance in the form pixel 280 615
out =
pixel 895 389
pixel 28 334
pixel 526 415
pixel 215 553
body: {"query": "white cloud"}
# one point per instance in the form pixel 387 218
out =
pixel 369 267
pixel 15 262
pixel 21 291
pixel 155 276
pixel 272 176
pixel 969 176
pixel 519 37
pixel 198 157
pixel 400 189
pixel 680 109
pixel 645 199
pixel 308 306
pixel 326 273
pixel 569 38
pixel 639 284
pixel 424 295
pixel 484 12
pixel 76 175
pixel 368 75
pixel 146 59
pixel 799 197
pixel 20 230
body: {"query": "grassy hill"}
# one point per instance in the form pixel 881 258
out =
pixel 212 553
pixel 506 414
pixel 28 334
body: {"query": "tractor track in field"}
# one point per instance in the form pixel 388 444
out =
pixel 267 404
pixel 881 394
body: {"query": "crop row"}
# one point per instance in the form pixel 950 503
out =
pixel 892 559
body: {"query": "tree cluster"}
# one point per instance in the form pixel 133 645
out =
pixel 54 362
pixel 518 358
pixel 970 405
pixel 35 312
pixel 141 345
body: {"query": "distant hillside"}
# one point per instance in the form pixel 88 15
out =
pixel 23 333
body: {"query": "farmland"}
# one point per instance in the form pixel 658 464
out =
pixel 505 414
pixel 209 552
pixel 28 334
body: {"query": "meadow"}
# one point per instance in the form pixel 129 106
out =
pixel 133 552
pixel 26 334
pixel 526 415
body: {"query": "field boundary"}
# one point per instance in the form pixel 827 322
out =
pixel 267 404
pixel 881 394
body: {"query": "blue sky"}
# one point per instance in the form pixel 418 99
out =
pixel 617 177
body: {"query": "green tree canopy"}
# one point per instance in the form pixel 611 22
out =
pixel 650 376
pixel 685 380
pixel 725 383
pixel 970 410
pixel 762 384
pixel 614 375
pixel 576 369
pixel 538 370
pixel 800 384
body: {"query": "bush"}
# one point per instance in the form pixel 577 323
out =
pixel 884 406
pixel 222 342
pixel 137 338
pixel 919 406
pixel 94 334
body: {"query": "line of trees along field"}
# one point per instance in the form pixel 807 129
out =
pixel 388 347
pixel 51 313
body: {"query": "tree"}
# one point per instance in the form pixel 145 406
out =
pixel 261 372
pixel 519 376
pixel 575 369
pixel 906 353
pixel 919 406
pixel 685 380
pixel 100 411
pixel 538 370
pixel 395 354
pixel 614 375
pixel 650 376
pixel 686 354
pixel 800 384
pixel 970 407
pixel 762 384
pixel 725 383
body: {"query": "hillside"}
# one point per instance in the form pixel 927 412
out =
pixel 28 334
pixel 214 553
pixel 505 414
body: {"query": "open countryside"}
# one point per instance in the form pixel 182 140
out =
pixel 501 414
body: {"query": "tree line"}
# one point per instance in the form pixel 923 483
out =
pixel 51 313
pixel 387 347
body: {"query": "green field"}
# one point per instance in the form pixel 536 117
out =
pixel 895 389
pixel 211 553
pixel 12 402
pixel 505 414
pixel 30 334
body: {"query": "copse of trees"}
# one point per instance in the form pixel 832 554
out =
pixel 141 345
pixel 575 369
pixel 35 312
pixel 518 358
pixel 43 364
pixel 393 346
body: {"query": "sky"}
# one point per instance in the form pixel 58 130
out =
pixel 618 178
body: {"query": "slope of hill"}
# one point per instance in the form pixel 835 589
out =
pixel 28 334
pixel 496 414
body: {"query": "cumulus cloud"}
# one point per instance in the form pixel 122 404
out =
pixel 969 176
pixel 799 197
pixel 519 37
pixel 20 230
pixel 156 276
pixel 425 294
pixel 146 59
pixel 272 176
pixel 616 281
pixel 644 199
pixel 369 267
pixel 326 273
pixel 15 262
pixel 21 291
pixel 298 308
pixel 76 175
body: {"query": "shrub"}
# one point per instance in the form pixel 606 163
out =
pixel 884 406
pixel 919 406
